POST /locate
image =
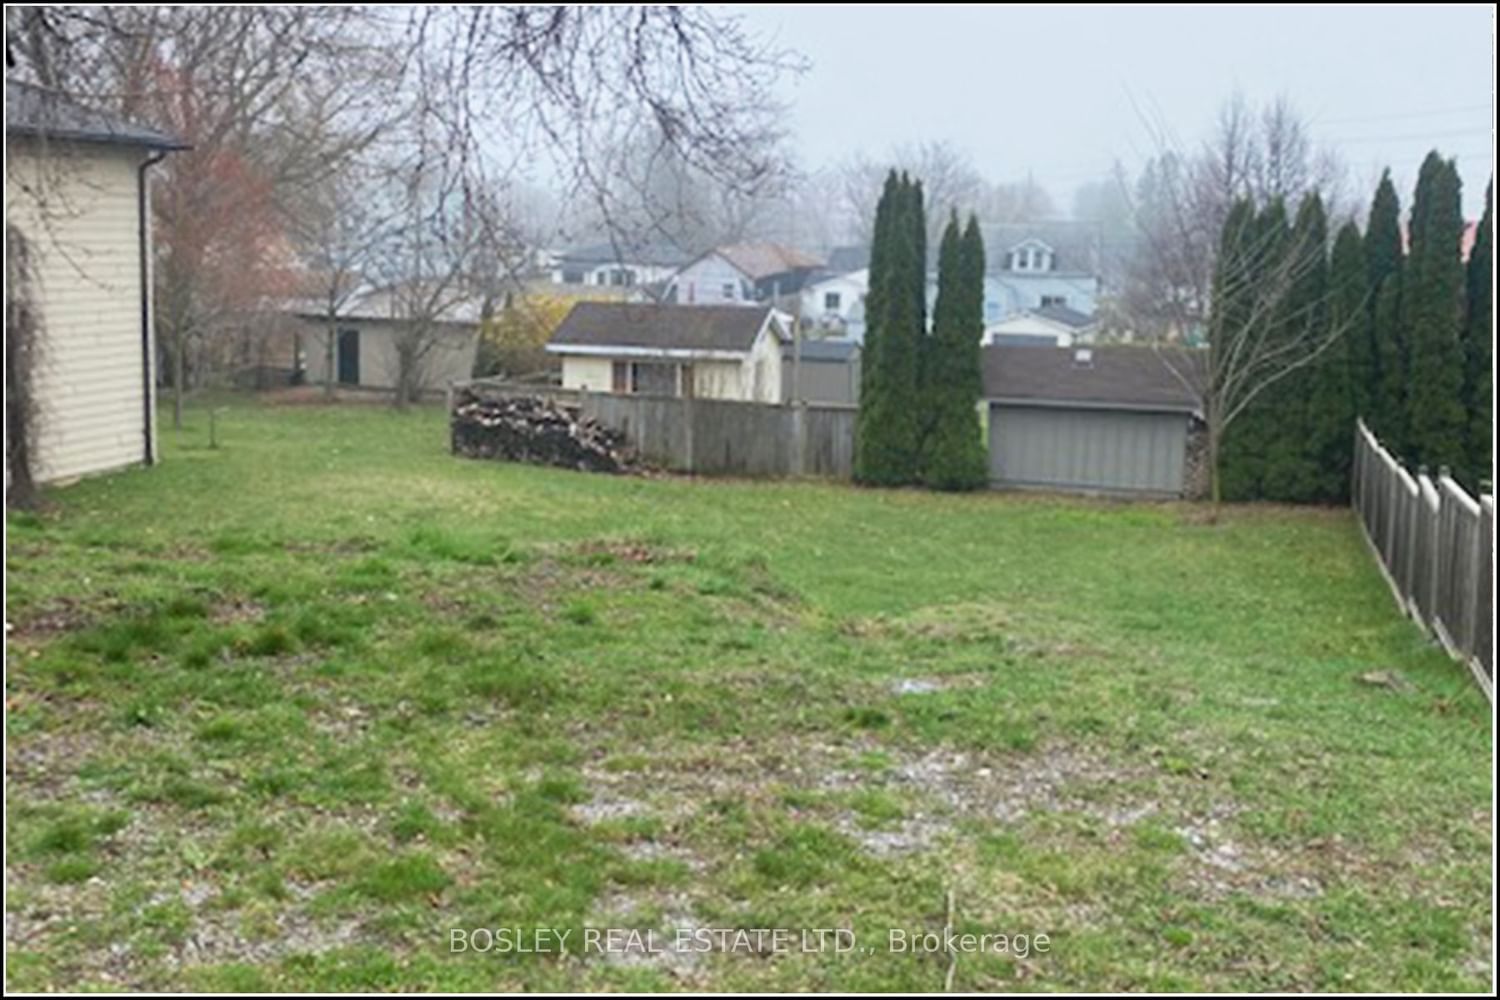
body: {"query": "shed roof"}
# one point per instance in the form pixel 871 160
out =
pixel 1133 377
pixel 36 111
pixel 654 326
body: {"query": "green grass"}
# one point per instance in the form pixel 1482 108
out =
pixel 285 713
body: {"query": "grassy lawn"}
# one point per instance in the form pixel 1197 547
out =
pixel 286 713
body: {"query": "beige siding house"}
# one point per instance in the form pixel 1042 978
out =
pixel 709 352
pixel 368 332
pixel 75 190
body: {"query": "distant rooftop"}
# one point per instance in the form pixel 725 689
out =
pixel 41 113
pixel 660 253
pixel 762 260
pixel 1066 315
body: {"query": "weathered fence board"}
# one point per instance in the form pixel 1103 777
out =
pixel 717 436
pixel 1435 544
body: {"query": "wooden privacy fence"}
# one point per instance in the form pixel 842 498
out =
pixel 1436 545
pixel 714 436
pixel 727 437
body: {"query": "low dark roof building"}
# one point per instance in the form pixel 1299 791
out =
pixel 1113 377
pixel 658 327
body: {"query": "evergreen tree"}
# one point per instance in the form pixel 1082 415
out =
pixel 1349 318
pixel 1388 413
pixel 1299 422
pixel 1386 388
pixel 955 456
pixel 887 440
pixel 1479 337
pixel 1431 316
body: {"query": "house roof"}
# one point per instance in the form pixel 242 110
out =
pixel 1074 245
pixel 842 260
pixel 1120 376
pixel 653 326
pixel 35 111
pixel 383 304
pixel 626 252
pixel 1065 315
pixel 819 349
pixel 762 260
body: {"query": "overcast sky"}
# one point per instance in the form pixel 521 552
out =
pixel 1059 92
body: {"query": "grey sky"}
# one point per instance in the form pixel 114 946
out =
pixel 1055 91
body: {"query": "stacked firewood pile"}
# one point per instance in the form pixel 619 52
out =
pixel 535 430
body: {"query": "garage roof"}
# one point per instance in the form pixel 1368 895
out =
pixel 1115 376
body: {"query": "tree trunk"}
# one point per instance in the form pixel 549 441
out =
pixel 179 376
pixel 331 357
pixel 1215 487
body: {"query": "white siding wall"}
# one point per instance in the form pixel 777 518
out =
pixel 451 359
pixel 92 378
pixel 718 379
pixel 762 379
pixel 593 374
pixel 712 281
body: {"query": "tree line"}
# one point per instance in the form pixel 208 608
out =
pixel 1385 323
pixel 918 419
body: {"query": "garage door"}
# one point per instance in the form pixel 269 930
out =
pixel 1105 450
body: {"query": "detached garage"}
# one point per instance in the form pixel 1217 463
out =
pixel 1104 419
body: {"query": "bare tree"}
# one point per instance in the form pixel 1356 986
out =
pixel 950 182
pixel 1181 199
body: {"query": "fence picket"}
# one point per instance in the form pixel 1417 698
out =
pixel 1435 546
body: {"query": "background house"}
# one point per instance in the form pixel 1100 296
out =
pixel 715 352
pixel 617 265
pixel 75 189
pixel 1050 326
pixel 1032 266
pixel 368 331
pixel 834 305
pixel 742 274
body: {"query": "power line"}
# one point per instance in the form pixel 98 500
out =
pixel 1447 134
pixel 1407 115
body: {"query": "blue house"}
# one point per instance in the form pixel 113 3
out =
pixel 1034 266
pixel 1031 266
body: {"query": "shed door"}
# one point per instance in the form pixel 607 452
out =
pixel 349 357
pixel 1107 450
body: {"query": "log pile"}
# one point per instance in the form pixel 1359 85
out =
pixel 535 430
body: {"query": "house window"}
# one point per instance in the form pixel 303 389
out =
pixel 831 301
pixel 572 276
pixel 653 378
pixel 601 278
pixel 991 310
pixel 1054 300
pixel 728 290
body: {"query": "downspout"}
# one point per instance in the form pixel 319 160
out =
pixel 144 245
